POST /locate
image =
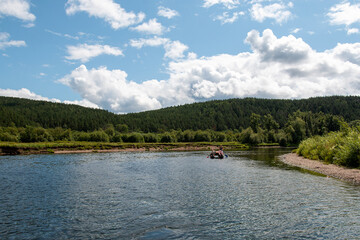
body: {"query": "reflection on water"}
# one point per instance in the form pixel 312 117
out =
pixel 184 195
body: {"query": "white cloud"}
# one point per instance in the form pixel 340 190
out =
pixel 25 93
pixel 151 27
pixel 344 14
pixel 108 10
pixel 229 4
pixel 226 18
pixel 284 67
pixel 167 12
pixel 347 52
pixel 270 48
pixel 173 49
pixel 85 52
pixel 5 42
pixel 62 35
pixel 296 30
pixel 278 12
pixel 84 103
pixel 17 8
pixel 353 31
pixel 111 90
pixel 152 42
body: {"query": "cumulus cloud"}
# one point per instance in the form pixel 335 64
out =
pixel 108 10
pixel 285 67
pixel 5 42
pixel 17 8
pixel 167 12
pixel 151 27
pixel 229 4
pixel 110 89
pixel 83 103
pixel 277 11
pixel 25 93
pixel 353 31
pixel 85 52
pixel 227 18
pixel 344 14
pixel 347 52
pixel 173 49
pixel 284 50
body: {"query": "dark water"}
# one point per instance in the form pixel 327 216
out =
pixel 184 195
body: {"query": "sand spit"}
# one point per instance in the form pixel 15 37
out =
pixel 346 174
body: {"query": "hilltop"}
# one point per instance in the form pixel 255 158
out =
pixel 217 115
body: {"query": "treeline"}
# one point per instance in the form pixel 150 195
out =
pixel 235 114
pixel 220 115
pixel 340 148
pixel 262 129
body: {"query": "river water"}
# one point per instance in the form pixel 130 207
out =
pixel 172 195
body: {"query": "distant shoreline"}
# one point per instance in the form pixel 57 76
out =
pixel 331 170
pixel 99 147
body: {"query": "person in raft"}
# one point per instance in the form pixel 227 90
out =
pixel 219 153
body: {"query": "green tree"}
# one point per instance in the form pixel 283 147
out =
pixel 255 122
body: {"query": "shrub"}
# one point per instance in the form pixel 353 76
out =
pixel 167 138
pixel 35 134
pixel 134 138
pixel 7 137
pixel 117 138
pixel 99 136
pixel 202 136
pixel 150 138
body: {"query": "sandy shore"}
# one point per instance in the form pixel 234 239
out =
pixel 346 174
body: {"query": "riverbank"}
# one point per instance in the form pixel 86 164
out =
pixel 346 174
pixel 10 148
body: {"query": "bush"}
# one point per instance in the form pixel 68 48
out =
pixel 340 148
pixel 60 134
pixel 219 137
pixel 187 136
pixel 99 136
pixel 7 137
pixel 82 136
pixel 35 134
pixel 117 138
pixel 202 136
pixel 134 138
pixel 167 138
pixel 151 138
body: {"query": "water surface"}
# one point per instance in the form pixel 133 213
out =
pixel 176 195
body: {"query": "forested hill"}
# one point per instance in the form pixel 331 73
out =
pixel 235 113
pixel 24 112
pixel 217 115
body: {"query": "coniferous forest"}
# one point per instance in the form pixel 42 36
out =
pixel 249 120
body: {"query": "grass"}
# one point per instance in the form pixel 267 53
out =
pixel 340 148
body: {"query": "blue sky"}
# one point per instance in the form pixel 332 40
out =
pixel 137 55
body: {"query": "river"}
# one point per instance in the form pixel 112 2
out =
pixel 172 195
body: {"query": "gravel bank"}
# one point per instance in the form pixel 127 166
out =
pixel 346 174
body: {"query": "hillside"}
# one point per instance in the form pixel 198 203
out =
pixel 217 115
pixel 235 113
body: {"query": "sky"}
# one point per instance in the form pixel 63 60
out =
pixel 137 55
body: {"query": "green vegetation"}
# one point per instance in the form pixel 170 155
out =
pixel 330 125
pixel 219 115
pixel 262 129
pixel 11 148
pixel 340 148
